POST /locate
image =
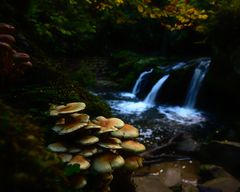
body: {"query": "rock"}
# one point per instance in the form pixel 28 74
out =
pixel 223 184
pixel 221 180
pixel 188 144
pixel 149 183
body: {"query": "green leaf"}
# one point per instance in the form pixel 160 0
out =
pixel 72 169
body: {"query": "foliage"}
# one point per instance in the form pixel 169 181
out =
pixel 59 21
pixel 173 14
pixel 132 64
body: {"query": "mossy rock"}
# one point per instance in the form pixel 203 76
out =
pixel 25 162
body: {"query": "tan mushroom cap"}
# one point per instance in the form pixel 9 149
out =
pixel 126 132
pixel 89 151
pixel 65 157
pixel 133 146
pixel 80 160
pixel 79 182
pixel 81 117
pixel 65 109
pixel 88 140
pixel 111 143
pixel 132 163
pixel 57 147
pixel 92 125
pixel 107 163
pixel 70 127
pixel 108 125
pixel 78 121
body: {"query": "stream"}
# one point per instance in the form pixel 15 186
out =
pixel 160 122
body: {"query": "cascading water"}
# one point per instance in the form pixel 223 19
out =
pixel 150 99
pixel 196 82
pixel 138 83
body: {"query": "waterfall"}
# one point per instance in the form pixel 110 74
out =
pixel 196 82
pixel 137 85
pixel 150 99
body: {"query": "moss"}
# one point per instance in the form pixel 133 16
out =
pixel 25 163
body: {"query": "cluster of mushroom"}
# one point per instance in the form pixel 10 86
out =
pixel 98 146
pixel 10 59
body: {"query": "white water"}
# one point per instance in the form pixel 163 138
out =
pixel 128 107
pixel 137 85
pixel 150 99
pixel 196 82
pixel 182 115
pixel 178 66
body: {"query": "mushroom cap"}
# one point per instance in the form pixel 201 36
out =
pixel 61 121
pixel 27 64
pixel 133 146
pixel 107 162
pixel 126 132
pixel 7 39
pixel 92 125
pixel 108 125
pixel 65 157
pixel 57 147
pixel 79 182
pixel 20 57
pixel 68 108
pixel 6 28
pixel 68 128
pixel 80 160
pixel 88 140
pixel 81 117
pixel 74 150
pixel 89 151
pixel 5 47
pixel 111 143
pixel 134 162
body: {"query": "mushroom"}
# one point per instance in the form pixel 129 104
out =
pixel 6 28
pixel 108 125
pixel 7 39
pixel 75 124
pixel 133 146
pixel 92 125
pixel 126 132
pixel 27 64
pixel 99 142
pixel 81 161
pixel 21 57
pixel 88 140
pixel 65 157
pixel 74 150
pixel 132 163
pixel 68 108
pixel 80 117
pixel 107 162
pixel 111 143
pixel 71 127
pixel 79 182
pixel 57 147
pixel 89 151
pixel 5 47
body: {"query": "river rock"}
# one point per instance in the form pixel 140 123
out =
pixel 150 183
pixel 221 180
